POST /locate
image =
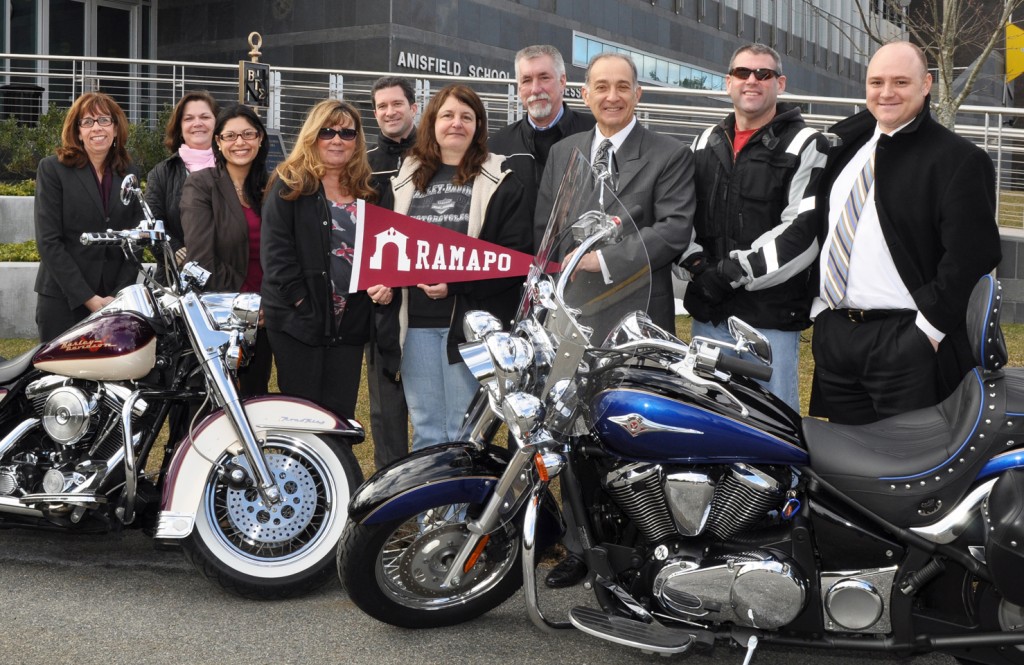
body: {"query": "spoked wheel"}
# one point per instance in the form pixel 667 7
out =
pixel 395 571
pixel 268 552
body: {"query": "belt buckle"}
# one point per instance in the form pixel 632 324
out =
pixel 856 315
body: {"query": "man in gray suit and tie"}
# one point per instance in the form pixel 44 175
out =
pixel 654 174
pixel 653 180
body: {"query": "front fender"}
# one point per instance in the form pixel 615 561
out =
pixel 450 473
pixel 192 461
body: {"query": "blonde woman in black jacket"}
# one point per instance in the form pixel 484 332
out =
pixel 317 328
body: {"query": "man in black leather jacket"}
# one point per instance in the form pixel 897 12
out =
pixel 394 106
pixel 755 175
pixel 540 75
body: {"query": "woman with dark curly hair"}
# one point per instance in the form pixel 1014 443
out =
pixel 450 179
pixel 317 328
pixel 78 191
pixel 189 137
pixel 221 219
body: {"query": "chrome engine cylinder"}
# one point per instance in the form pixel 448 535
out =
pixel 742 497
pixel 638 489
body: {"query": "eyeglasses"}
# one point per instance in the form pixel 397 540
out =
pixel 102 121
pixel 231 137
pixel 346 134
pixel 761 73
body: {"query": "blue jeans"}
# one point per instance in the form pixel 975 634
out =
pixel 785 379
pixel 437 393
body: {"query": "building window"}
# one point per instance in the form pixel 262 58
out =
pixel 650 68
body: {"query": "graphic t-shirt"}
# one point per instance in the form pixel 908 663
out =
pixel 447 205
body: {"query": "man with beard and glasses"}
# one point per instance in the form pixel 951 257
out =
pixel 540 75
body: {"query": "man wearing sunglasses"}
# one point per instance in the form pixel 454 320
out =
pixel 394 107
pixel 755 174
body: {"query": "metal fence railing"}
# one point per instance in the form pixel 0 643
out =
pixel 29 84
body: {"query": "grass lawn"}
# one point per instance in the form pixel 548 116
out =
pixel 364 452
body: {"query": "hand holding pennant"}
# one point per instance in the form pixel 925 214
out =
pixel 396 250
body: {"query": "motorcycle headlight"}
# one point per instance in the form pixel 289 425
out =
pixel 522 412
pixel 245 309
pixel 478 323
pixel 512 356
pixel 478 360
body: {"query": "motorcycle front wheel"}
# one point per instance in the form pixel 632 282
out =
pixel 394 571
pixel 288 549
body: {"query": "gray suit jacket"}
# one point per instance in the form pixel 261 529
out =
pixel 655 184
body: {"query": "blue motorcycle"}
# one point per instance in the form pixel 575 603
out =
pixel 707 510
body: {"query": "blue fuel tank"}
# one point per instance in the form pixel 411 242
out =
pixel 649 414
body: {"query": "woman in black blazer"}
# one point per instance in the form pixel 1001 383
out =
pixel 78 191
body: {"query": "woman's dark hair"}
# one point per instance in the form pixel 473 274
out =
pixel 72 152
pixel 256 180
pixel 428 151
pixel 173 137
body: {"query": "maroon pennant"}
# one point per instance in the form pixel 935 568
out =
pixel 396 250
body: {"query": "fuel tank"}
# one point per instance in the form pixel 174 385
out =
pixel 648 414
pixel 115 347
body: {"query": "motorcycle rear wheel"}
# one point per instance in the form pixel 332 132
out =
pixel 393 571
pixel 286 551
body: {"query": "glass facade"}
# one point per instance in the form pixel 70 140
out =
pixel 650 68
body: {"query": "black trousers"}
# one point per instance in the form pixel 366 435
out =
pixel 389 415
pixel 327 375
pixel 254 378
pixel 867 371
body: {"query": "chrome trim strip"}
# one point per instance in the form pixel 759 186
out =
pixel 953 524
pixel 174 525
pixel 635 424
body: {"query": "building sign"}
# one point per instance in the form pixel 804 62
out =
pixel 253 83
pixel 432 65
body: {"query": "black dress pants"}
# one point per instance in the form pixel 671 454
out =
pixel 327 375
pixel 871 366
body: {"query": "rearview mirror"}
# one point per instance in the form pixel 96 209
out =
pixel 751 340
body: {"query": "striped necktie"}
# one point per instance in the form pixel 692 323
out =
pixel 837 270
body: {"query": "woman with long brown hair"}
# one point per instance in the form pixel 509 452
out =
pixel 450 179
pixel 317 328
pixel 78 191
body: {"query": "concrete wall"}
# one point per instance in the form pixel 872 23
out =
pixel 16 223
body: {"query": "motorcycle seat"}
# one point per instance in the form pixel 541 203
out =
pixel 912 468
pixel 12 369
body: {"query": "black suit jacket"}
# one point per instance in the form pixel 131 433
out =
pixel 655 185
pixel 67 204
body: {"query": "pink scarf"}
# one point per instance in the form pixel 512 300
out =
pixel 196 160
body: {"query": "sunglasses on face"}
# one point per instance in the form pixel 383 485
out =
pixel 327 134
pixel 761 73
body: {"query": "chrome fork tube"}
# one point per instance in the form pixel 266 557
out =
pixel 208 342
pixel 491 514
pixel 481 423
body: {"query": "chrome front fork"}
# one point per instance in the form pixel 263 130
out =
pixel 208 343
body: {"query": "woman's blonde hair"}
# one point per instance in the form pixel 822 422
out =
pixel 303 170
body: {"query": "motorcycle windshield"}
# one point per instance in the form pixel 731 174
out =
pixel 613 279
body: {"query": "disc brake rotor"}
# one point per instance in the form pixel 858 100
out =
pixel 285 520
pixel 422 568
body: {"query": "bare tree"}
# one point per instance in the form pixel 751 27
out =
pixel 955 34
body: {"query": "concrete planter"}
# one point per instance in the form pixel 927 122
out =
pixel 16 218
pixel 18 299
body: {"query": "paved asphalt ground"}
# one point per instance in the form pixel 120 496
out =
pixel 112 600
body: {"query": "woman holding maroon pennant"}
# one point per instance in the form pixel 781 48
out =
pixel 451 180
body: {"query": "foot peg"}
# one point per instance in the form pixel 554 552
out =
pixel 630 632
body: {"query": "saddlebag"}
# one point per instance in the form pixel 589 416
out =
pixel 1004 551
